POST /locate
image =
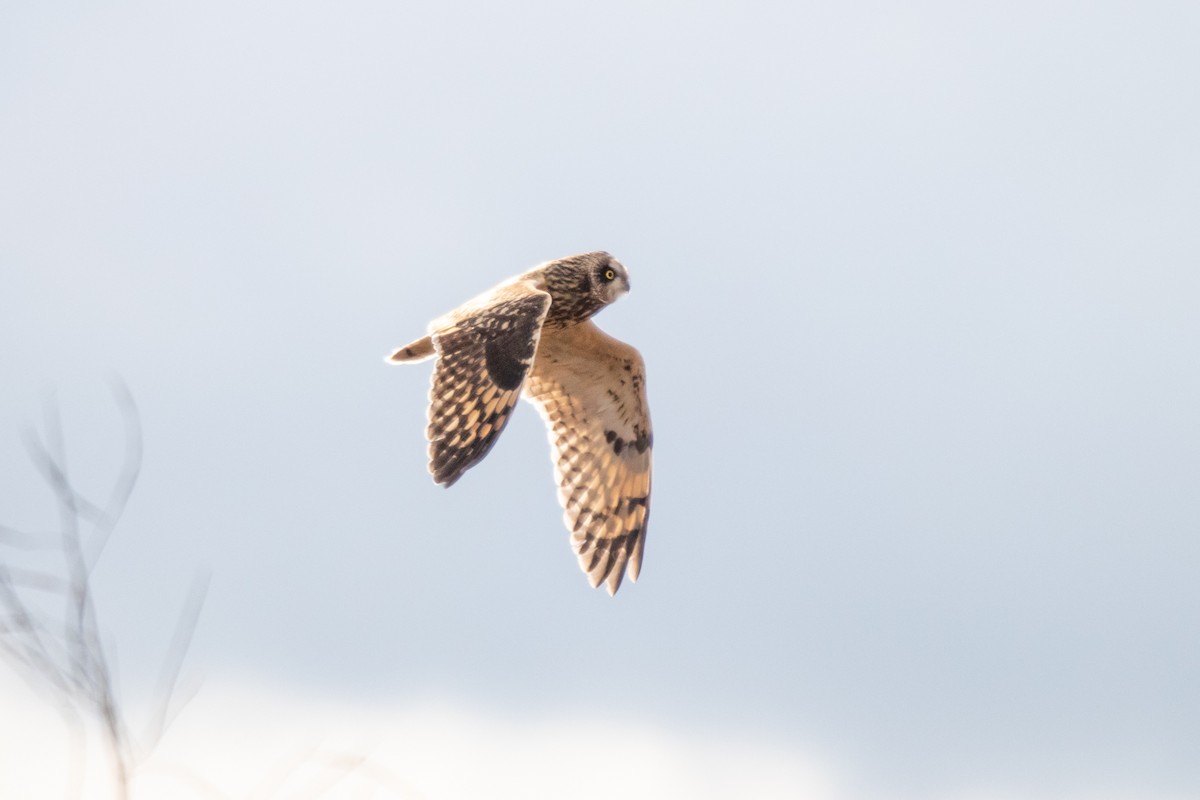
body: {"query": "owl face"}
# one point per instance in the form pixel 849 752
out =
pixel 608 277
pixel 580 285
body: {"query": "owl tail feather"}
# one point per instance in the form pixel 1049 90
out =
pixel 419 350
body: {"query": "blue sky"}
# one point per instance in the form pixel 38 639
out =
pixel 916 287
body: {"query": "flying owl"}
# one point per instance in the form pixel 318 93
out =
pixel 533 335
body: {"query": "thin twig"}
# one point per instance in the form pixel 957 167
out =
pixel 127 478
pixel 67 655
pixel 82 631
pixel 22 540
pixel 181 640
pixel 40 581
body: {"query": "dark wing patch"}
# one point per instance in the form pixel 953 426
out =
pixel 482 362
pixel 508 357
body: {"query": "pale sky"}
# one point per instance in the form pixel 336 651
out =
pixel 917 288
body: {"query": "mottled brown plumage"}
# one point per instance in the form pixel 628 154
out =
pixel 533 334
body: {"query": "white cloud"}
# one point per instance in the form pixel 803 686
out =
pixel 242 741
pixel 258 743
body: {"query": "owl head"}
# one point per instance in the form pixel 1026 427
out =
pixel 581 285
pixel 607 277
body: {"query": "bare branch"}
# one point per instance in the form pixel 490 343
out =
pixel 127 479
pixel 69 656
pixel 26 639
pixel 20 540
pixel 37 580
pixel 165 711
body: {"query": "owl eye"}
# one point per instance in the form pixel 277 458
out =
pixel 609 274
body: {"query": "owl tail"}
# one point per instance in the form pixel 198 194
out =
pixel 419 350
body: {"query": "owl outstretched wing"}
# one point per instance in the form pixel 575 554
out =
pixel 483 356
pixel 590 389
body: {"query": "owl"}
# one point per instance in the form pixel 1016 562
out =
pixel 533 335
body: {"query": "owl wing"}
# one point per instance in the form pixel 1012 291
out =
pixel 484 354
pixel 591 391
